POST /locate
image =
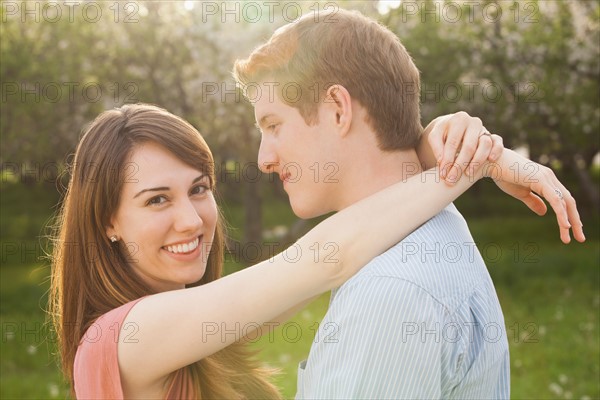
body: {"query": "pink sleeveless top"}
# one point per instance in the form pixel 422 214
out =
pixel 96 368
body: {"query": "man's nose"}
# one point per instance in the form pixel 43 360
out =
pixel 267 157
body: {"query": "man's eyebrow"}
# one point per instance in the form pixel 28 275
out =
pixel 262 120
pixel 165 188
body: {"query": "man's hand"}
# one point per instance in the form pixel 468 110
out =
pixel 460 144
pixel 527 181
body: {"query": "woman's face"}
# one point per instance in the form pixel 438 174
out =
pixel 166 218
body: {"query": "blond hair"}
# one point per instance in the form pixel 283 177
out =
pixel 346 48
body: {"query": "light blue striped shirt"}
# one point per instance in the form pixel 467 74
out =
pixel 421 320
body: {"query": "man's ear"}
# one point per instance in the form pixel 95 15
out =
pixel 339 102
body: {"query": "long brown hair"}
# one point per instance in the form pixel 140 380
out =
pixel 90 275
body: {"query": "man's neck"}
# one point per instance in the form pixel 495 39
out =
pixel 372 171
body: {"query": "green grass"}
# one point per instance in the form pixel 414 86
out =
pixel 550 294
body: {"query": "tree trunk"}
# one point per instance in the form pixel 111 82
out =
pixel 589 187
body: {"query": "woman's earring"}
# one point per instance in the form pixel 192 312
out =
pixel 114 238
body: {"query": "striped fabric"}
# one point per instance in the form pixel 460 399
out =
pixel 420 321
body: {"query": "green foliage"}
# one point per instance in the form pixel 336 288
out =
pixel 542 57
pixel 531 69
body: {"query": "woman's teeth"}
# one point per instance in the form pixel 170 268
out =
pixel 183 248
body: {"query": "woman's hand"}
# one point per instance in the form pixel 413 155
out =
pixel 527 181
pixel 459 144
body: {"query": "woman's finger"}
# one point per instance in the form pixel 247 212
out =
pixel 535 203
pixel 547 188
pixel 436 139
pixel 480 156
pixel 455 132
pixel 571 209
pixel 497 147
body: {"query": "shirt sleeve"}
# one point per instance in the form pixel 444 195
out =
pixel 380 339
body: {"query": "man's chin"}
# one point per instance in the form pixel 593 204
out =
pixel 304 211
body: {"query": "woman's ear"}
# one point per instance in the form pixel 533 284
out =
pixel 339 100
pixel 110 230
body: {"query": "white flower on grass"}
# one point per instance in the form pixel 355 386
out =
pixel 555 388
pixel 307 315
pixel 586 326
pixel 53 389
pixel 31 349
pixel 542 330
pixel 285 358
pixel 559 315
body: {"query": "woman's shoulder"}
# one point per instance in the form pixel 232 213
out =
pixel 111 321
pixel 96 369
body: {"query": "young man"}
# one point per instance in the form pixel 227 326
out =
pixel 336 97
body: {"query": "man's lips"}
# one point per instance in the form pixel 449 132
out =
pixel 284 177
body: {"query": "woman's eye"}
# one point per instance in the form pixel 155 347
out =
pixel 200 189
pixel 156 200
pixel 272 127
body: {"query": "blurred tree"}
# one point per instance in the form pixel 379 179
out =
pixel 531 70
pixel 47 91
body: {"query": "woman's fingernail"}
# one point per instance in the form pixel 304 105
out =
pixel 452 176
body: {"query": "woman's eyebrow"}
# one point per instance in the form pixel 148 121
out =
pixel 199 178
pixel 156 189
pixel 165 188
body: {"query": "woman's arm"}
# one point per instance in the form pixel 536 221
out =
pixel 440 145
pixel 180 327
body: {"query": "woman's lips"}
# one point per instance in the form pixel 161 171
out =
pixel 188 255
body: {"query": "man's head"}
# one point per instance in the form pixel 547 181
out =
pixel 339 72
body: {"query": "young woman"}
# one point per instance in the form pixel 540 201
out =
pixel 136 297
